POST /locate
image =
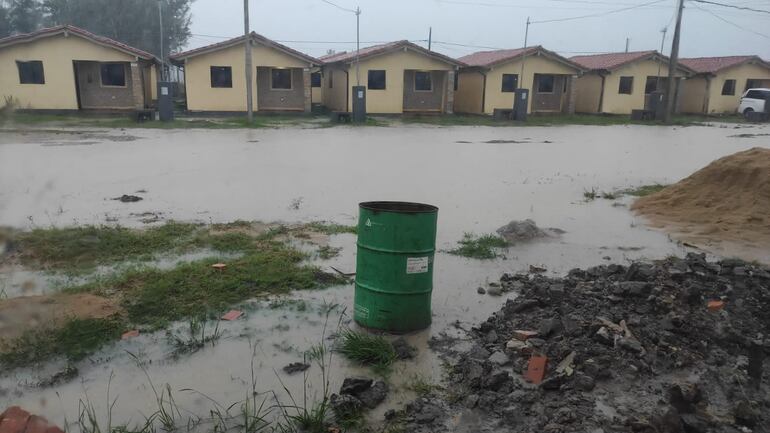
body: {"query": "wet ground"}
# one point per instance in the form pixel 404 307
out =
pixel 479 177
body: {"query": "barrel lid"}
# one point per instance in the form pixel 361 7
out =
pixel 398 207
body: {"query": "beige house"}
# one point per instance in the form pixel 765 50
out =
pixel 66 68
pixel 215 76
pixel 400 77
pixel 720 81
pixel 617 83
pixel 489 81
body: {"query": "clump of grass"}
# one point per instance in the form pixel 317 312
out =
pixel 644 190
pixel 326 252
pixel 609 195
pixel 590 195
pixel 331 228
pixel 89 246
pixel 195 337
pixel 481 247
pixel 368 349
pixel 422 386
pixel 74 340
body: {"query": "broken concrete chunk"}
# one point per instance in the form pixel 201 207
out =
pixel 525 231
pixel 499 358
pixel 524 335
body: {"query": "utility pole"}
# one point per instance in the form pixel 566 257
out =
pixel 430 37
pixel 247 44
pixel 628 40
pixel 358 45
pixel 160 26
pixel 662 43
pixel 672 63
pixel 526 36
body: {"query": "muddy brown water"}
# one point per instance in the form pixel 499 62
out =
pixel 298 175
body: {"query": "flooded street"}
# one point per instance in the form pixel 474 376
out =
pixel 480 178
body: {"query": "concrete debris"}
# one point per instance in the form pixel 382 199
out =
pixel 295 367
pixel 525 231
pixel 128 198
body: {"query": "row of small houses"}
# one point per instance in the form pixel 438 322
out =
pixel 65 68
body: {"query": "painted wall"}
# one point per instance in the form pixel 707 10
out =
pixel 693 99
pixel 719 103
pixel 391 99
pixel 202 97
pixel 335 82
pixel 616 103
pixel 496 98
pixel 588 90
pixel 57 54
pixel 469 94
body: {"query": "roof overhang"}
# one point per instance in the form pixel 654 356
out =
pixel 180 58
pixel 401 46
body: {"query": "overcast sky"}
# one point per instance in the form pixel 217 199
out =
pixel 313 26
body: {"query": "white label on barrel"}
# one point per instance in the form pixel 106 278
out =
pixel 416 265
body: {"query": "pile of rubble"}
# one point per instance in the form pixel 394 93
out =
pixel 671 346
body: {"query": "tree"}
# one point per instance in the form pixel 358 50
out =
pixel 5 24
pixel 24 16
pixel 133 22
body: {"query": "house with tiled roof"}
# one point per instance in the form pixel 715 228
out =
pixel 400 77
pixel 215 76
pixel 618 83
pixel 66 68
pixel 719 82
pixel 489 79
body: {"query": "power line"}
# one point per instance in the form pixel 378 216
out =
pixel 733 6
pixel 731 23
pixel 513 6
pixel 338 6
pixel 598 14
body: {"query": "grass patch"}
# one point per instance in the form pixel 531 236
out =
pixel 75 340
pixel 326 252
pixel 644 190
pixel 590 195
pixel 367 349
pixel 155 297
pixel 421 386
pixel 481 247
pixel 556 120
pixel 331 228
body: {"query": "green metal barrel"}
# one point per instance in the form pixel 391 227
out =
pixel 394 265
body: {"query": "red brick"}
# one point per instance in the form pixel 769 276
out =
pixel 232 315
pixel 14 420
pixel 219 266
pixel 715 305
pixel 522 335
pixel 536 369
pixel 36 424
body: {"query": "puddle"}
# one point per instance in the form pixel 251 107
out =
pixel 224 175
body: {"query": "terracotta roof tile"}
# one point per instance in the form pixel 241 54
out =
pixel 716 64
pixel 487 58
pixel 378 49
pixel 51 31
pixel 610 60
pixel 237 40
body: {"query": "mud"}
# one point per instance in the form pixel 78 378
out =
pixel 638 348
pixel 27 313
pixel 525 231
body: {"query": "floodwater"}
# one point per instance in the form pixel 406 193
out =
pixel 300 175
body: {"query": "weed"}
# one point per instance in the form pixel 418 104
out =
pixel 644 190
pixel 590 195
pixel 75 340
pixel 368 349
pixel 421 386
pixel 195 338
pixel 482 247
pixel 326 252
pixel 609 195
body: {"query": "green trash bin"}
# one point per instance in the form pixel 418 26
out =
pixel 394 265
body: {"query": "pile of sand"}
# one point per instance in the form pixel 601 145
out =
pixel 728 200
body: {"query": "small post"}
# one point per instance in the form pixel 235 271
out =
pixel 358 45
pixel 430 37
pixel 247 53
pixel 628 40
pixel 524 58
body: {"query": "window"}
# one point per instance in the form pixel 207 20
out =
pixel 545 83
pixel 280 79
pixel 751 84
pixel 626 85
pixel 315 79
pixel 221 76
pixel 510 82
pixel 756 94
pixel 113 74
pixel 422 81
pixel 31 72
pixel 376 80
pixel 728 88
